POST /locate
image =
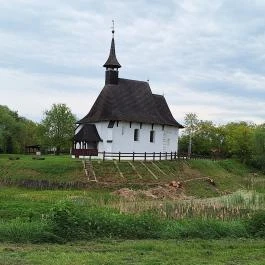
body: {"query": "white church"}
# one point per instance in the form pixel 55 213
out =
pixel 126 118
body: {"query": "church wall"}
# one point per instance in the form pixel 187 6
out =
pixel 105 134
pixel 121 138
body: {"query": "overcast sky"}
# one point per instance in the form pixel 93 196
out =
pixel 205 56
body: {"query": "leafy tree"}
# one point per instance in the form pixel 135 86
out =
pixel 238 140
pixel 258 147
pixel 208 138
pixel 190 121
pixel 13 131
pixel 58 127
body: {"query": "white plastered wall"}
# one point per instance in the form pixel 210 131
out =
pixel 120 138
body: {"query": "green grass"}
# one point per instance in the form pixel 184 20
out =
pixel 25 203
pixel 98 214
pixel 52 169
pixel 144 252
pixel 65 172
pixel 211 211
pixel 229 176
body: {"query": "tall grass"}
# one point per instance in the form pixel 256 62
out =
pixel 236 206
pixel 70 221
pixel 22 231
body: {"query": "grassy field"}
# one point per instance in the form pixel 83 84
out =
pixel 35 173
pixel 64 172
pixel 144 252
pixel 52 201
pixel 238 190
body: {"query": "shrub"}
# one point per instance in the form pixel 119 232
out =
pixel 21 231
pixel 71 223
pixel 65 220
pixel 206 229
pixel 256 225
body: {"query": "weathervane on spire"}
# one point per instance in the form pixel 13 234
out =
pixel 113 30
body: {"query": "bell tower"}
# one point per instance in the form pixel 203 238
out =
pixel 112 65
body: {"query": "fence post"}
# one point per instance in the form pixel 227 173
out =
pixel 144 156
pixel 160 156
pixel 103 156
pixel 153 156
pixel 175 155
pixel 133 156
pixel 166 155
pixel 171 155
pixel 119 156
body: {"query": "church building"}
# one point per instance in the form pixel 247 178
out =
pixel 126 117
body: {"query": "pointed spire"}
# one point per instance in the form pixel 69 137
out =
pixel 112 61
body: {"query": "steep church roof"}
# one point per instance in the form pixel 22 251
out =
pixel 131 101
pixel 127 100
pixel 88 133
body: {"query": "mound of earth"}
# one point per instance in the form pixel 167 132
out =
pixel 169 191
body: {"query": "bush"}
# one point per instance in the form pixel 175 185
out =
pixel 256 225
pixel 258 161
pixel 71 223
pixel 206 229
pixel 21 231
pixel 65 220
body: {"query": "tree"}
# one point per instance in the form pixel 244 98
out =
pixel 258 147
pixel 15 131
pixel 238 140
pixel 190 121
pixel 58 126
pixel 207 138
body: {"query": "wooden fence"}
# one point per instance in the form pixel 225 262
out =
pixel 150 156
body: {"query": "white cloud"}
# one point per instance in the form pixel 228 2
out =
pixel 206 56
pixel 32 94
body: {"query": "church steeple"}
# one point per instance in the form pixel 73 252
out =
pixel 112 65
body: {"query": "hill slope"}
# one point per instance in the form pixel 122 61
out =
pixel 200 178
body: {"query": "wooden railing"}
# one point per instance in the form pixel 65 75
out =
pixel 150 156
pixel 136 156
pixel 84 152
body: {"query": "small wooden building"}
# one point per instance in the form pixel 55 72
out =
pixel 32 149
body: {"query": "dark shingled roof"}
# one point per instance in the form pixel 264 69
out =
pixel 88 133
pixel 112 61
pixel 130 101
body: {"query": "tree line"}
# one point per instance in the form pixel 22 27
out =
pixel 242 140
pixel 54 132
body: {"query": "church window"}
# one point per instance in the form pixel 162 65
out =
pixel 136 135
pixel 152 136
pixel 111 124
